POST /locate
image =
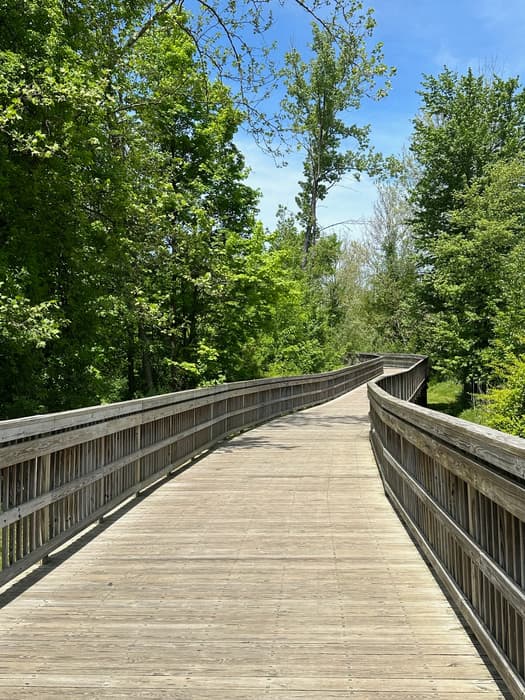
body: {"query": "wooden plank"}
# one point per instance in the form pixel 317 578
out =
pixel 274 567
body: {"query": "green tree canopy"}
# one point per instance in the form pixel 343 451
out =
pixel 465 138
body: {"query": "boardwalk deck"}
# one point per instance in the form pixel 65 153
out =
pixel 273 568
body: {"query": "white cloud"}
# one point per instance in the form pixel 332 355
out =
pixel 349 201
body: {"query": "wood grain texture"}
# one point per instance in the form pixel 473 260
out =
pixel 490 483
pixel 22 428
pixel 506 452
pixel 454 485
pixel 55 482
pixel 273 568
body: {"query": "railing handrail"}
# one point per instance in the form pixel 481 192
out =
pixel 61 472
pixel 460 490
pixel 493 447
pixel 15 428
pixel 393 360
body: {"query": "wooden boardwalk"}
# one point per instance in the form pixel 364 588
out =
pixel 273 568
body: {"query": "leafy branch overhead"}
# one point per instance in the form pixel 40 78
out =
pixel 236 44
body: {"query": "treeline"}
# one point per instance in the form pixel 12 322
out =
pixel 131 258
pixel 451 277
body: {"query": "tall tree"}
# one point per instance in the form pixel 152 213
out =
pixel 467 125
pixel 321 94
pixel 500 288
pixel 485 294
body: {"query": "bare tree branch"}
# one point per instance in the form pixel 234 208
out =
pixel 227 32
pixel 314 15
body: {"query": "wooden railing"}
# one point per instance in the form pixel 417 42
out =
pixel 59 473
pixel 392 359
pixel 460 489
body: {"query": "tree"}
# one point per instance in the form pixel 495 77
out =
pixel 392 280
pixel 465 123
pixel 294 343
pixel 131 260
pixel 52 137
pixel 320 94
pixel 213 278
pixel 116 157
pixel 356 331
pixel 468 129
pixel 307 314
pixel 500 226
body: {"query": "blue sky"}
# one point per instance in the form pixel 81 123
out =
pixel 419 37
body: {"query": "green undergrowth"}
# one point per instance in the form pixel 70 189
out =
pixel 448 397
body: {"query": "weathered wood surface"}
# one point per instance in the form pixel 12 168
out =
pixel 460 490
pixel 273 568
pixel 61 472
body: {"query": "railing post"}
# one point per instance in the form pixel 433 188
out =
pixel 473 529
pixel 138 462
pixel 46 488
pixel 5 529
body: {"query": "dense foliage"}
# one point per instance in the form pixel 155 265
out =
pixel 467 143
pixel 462 297
pixel 131 259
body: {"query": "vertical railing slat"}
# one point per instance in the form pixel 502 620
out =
pixel 472 476
pixel 59 473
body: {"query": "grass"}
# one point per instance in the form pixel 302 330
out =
pixel 448 397
pixel 475 414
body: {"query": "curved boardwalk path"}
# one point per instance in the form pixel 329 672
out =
pixel 273 568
